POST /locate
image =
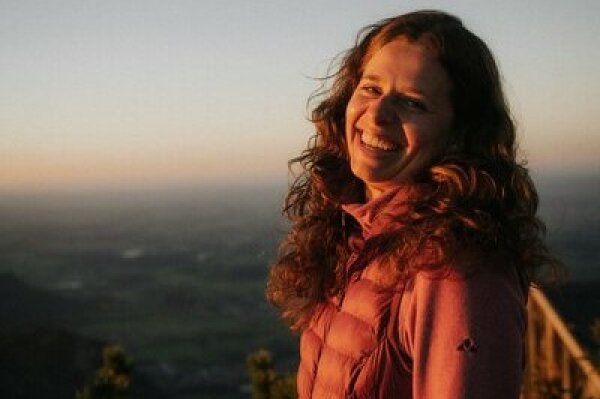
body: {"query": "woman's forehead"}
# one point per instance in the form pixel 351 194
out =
pixel 407 63
pixel 427 42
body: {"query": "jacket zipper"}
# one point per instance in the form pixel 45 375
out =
pixel 350 266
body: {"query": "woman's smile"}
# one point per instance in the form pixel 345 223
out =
pixel 377 142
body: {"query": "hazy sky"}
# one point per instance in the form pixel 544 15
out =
pixel 100 93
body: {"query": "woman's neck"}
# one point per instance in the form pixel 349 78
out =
pixel 374 191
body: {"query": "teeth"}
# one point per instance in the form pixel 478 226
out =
pixel 377 142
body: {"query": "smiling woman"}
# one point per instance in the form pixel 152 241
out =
pixel 398 117
pixel 414 230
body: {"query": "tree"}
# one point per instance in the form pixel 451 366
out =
pixel 266 383
pixel 113 379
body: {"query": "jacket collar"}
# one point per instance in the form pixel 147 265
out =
pixel 380 215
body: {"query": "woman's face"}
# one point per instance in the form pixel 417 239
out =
pixel 399 116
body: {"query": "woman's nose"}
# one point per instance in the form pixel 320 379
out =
pixel 382 112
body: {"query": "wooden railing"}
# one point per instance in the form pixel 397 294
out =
pixel 557 366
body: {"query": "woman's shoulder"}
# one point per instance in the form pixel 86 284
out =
pixel 472 279
pixel 467 300
pixel 467 320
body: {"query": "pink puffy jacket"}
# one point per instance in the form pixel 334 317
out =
pixel 425 338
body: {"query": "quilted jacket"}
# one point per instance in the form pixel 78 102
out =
pixel 425 337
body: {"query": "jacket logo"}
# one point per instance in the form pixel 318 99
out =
pixel 467 345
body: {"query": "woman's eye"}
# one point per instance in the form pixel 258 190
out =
pixel 371 90
pixel 413 104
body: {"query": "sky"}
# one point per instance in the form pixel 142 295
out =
pixel 133 93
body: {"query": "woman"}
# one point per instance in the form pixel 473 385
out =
pixel 414 235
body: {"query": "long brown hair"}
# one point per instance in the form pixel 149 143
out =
pixel 481 195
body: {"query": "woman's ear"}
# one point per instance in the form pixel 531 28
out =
pixel 455 141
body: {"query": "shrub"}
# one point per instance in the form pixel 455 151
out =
pixel 112 380
pixel 266 383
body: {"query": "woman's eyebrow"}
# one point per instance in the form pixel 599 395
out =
pixel 404 89
pixel 372 78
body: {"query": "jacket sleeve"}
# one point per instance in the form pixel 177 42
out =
pixel 464 335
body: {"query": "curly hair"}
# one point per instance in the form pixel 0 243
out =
pixel 482 198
